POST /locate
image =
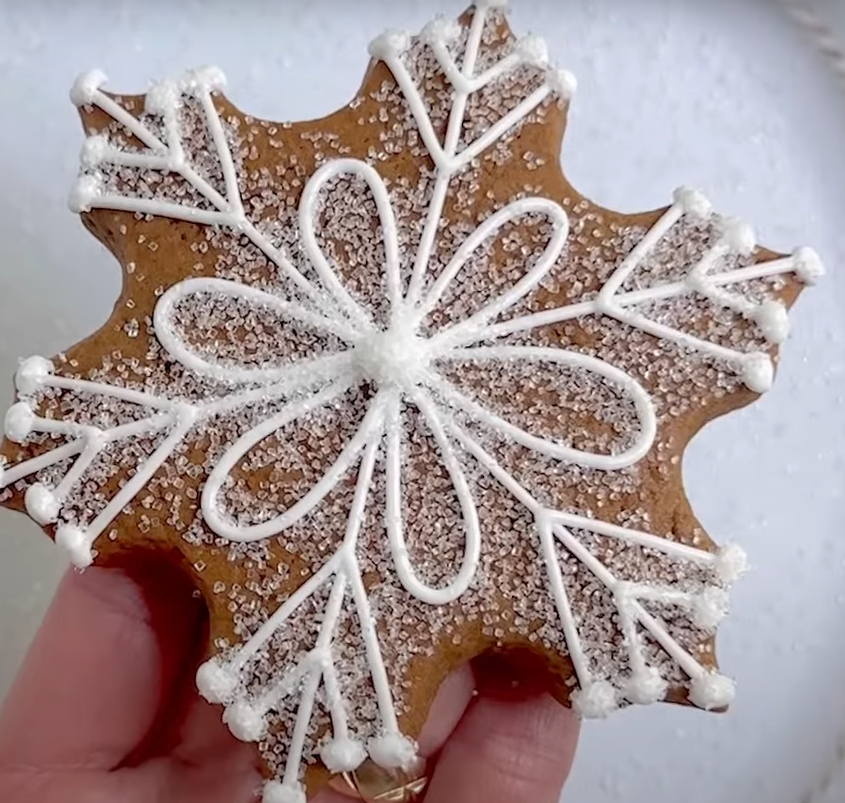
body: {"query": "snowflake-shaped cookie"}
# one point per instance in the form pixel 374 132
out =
pixel 397 395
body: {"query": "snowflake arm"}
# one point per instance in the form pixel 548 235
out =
pixel 736 238
pixel 599 697
pixel 219 681
pixel 170 157
pixel 390 48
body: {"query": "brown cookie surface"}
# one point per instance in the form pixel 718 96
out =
pixel 396 395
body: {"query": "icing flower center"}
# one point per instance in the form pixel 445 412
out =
pixel 395 356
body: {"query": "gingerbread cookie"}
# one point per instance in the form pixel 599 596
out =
pixel 395 395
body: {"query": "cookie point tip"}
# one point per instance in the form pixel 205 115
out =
pixel 86 86
pixel 712 691
pixel 710 608
pixel 245 721
pixel 216 682
pixel 42 504
pixel 598 700
pixel 390 44
pixel 343 754
pixel 83 194
pixel 773 320
pixel 693 202
pixel 31 375
pixel 738 236
pixel 758 372
pixel 731 563
pixel 76 544
pixel 440 31
pixel 392 751
pixel 562 82
pixel 533 50
pixel 646 687
pixel 18 423
pixel 808 265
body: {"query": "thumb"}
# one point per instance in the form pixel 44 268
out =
pixel 507 749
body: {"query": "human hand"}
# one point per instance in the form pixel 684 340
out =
pixel 104 709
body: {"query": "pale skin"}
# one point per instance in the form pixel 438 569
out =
pixel 104 709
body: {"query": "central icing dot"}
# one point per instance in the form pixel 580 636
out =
pixel 391 357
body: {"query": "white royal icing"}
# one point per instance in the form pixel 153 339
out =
pixel 400 362
pixel 710 690
pixel 343 755
pixel 283 793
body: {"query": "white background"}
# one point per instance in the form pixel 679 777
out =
pixel 725 95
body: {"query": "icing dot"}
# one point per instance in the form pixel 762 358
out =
pixel 440 30
pixel 483 4
pixel 738 236
pixel 19 422
pixel 391 358
pixel 731 563
pixel 41 504
pixel 76 543
pixel 562 82
pixel 390 43
pixel 94 151
pixel 216 682
pixel 392 750
pixel 85 190
pixel 758 373
pixel 210 78
pixel 245 721
pixel 808 265
pixel 275 792
pixel 710 608
pixel 161 97
pixel 343 755
pixel 596 701
pixel 31 374
pixel 711 691
pixel 646 687
pixel 773 320
pixel 86 86
pixel 694 203
pixel 533 50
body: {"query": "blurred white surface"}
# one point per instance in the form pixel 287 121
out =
pixel 724 95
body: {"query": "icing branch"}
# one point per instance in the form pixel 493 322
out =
pixel 644 685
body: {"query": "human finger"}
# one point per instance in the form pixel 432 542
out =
pixel 508 748
pixel 92 684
